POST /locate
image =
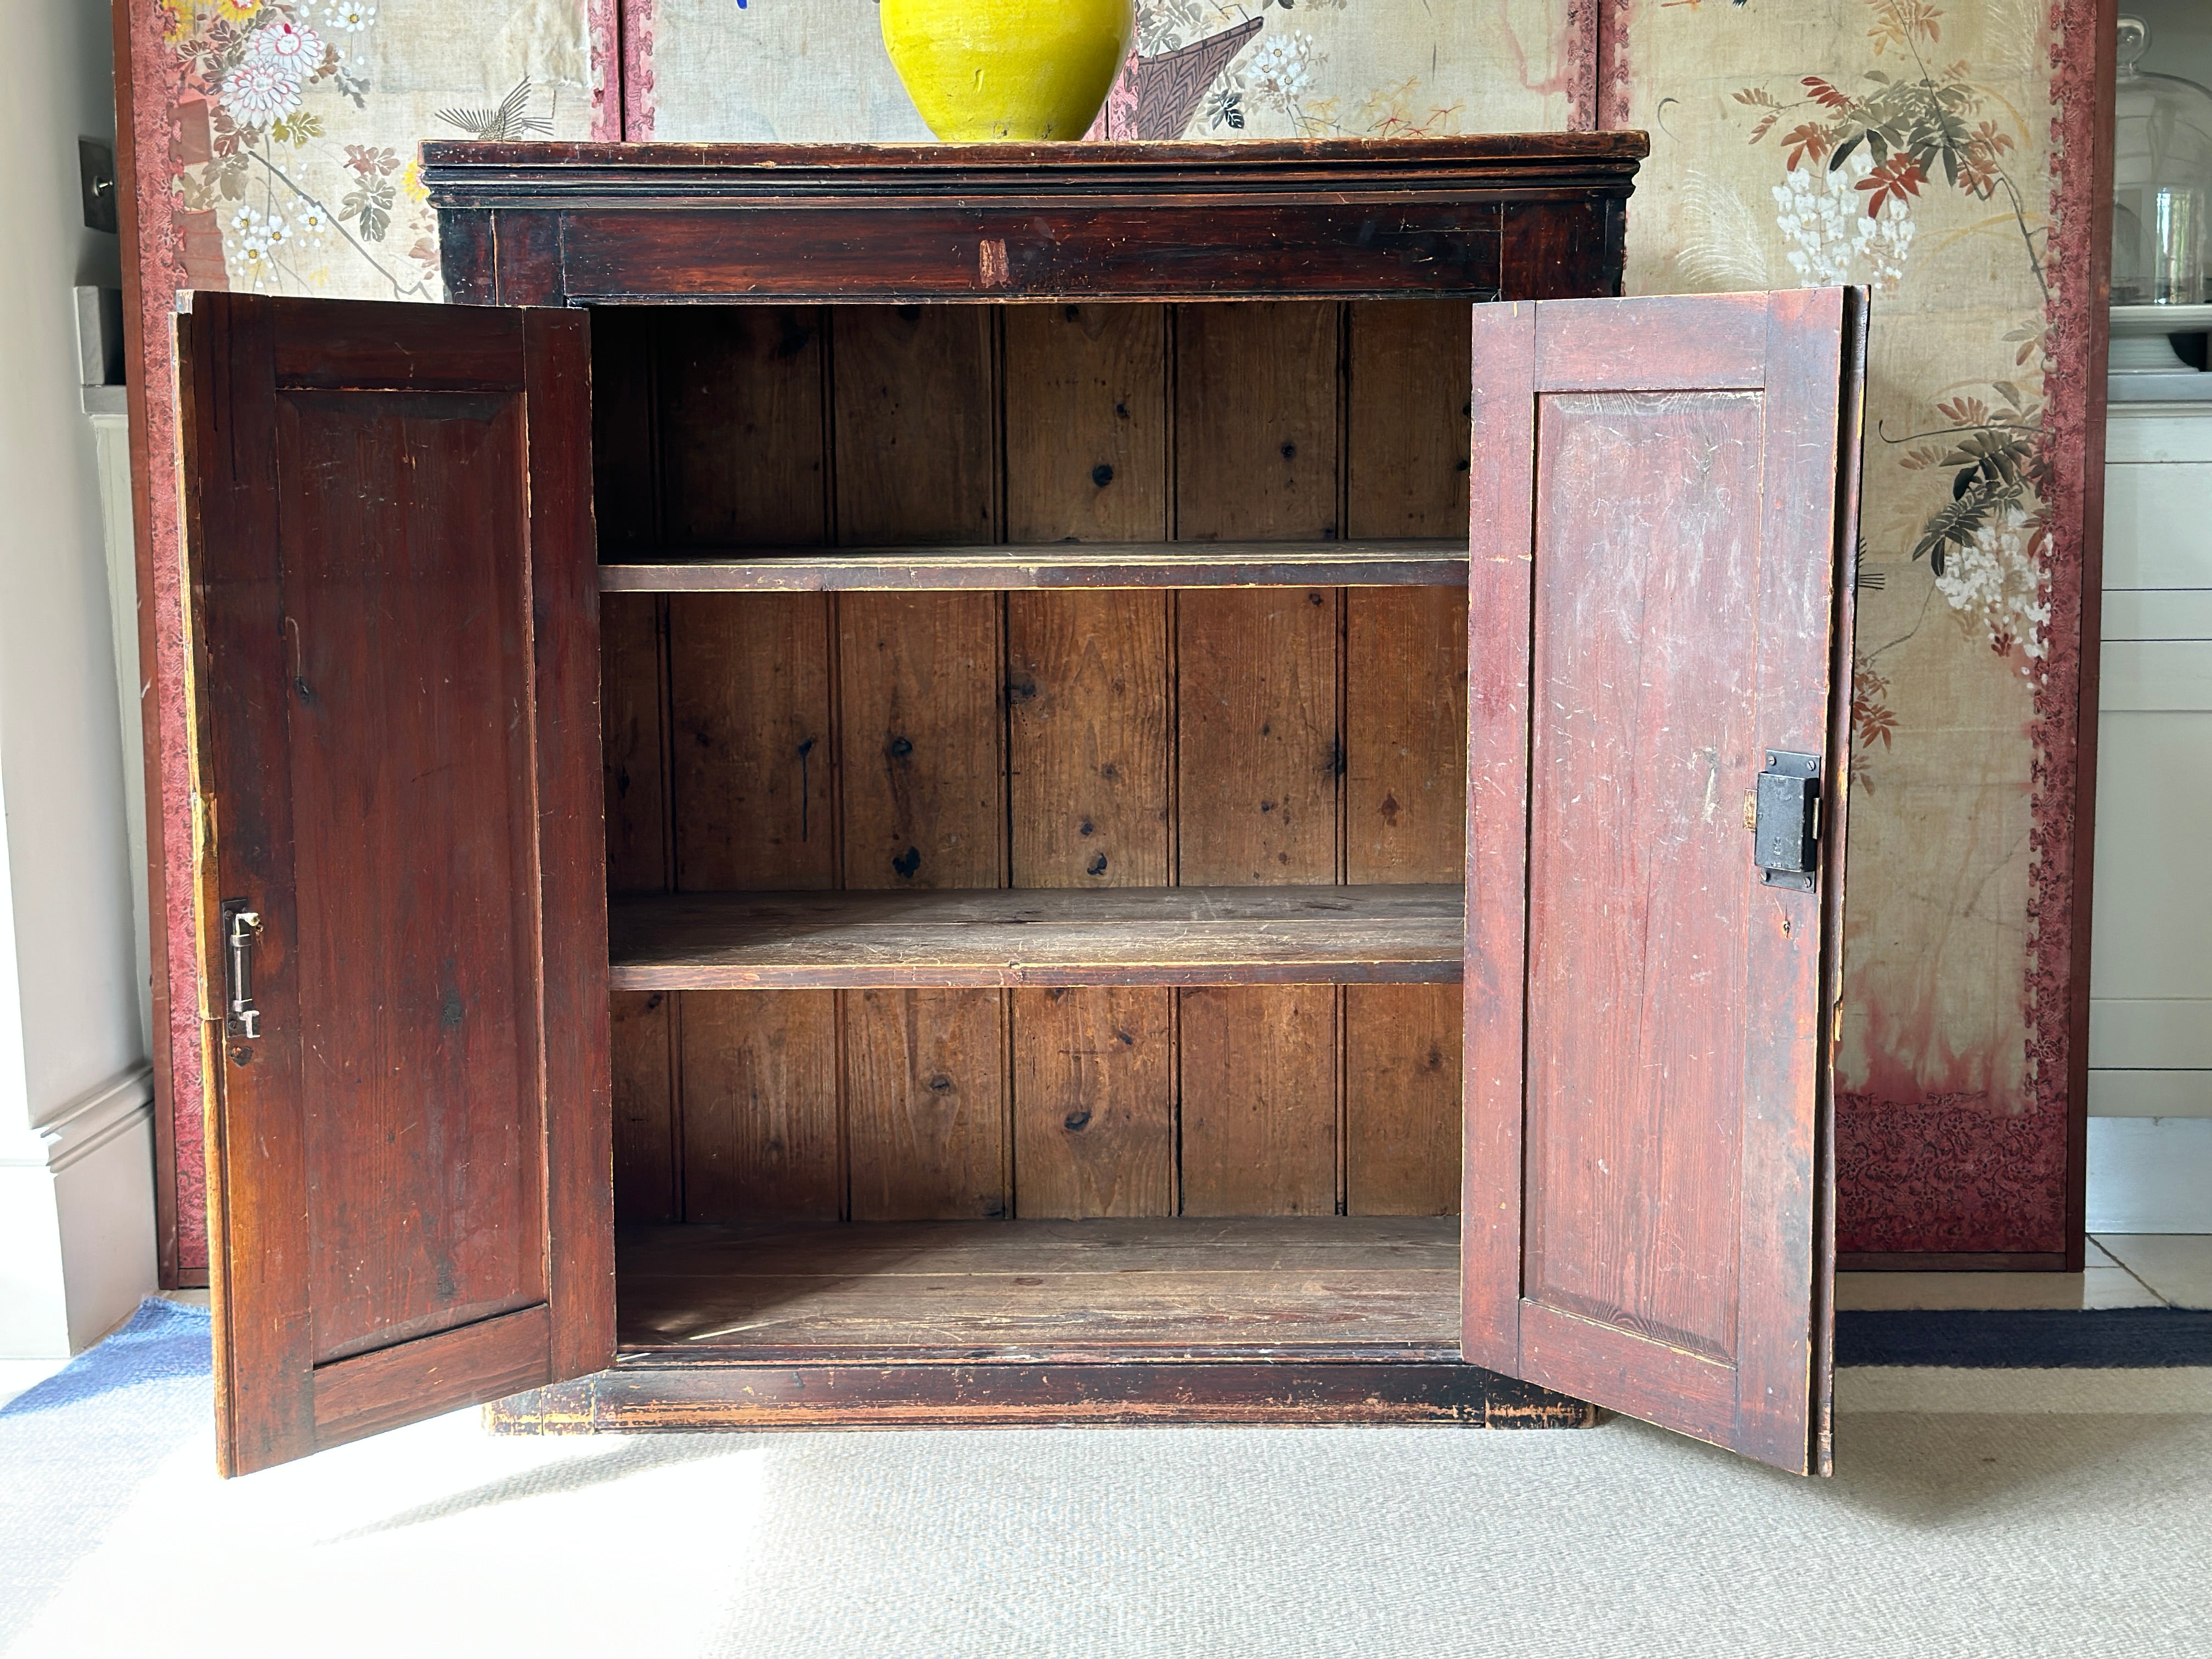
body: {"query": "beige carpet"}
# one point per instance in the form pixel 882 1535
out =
pixel 1977 1513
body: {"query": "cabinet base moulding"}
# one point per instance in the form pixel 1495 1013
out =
pixel 1030 1395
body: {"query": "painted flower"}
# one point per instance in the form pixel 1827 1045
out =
pixel 258 238
pixel 1993 581
pixel 313 224
pixel 238 11
pixel 293 50
pixel 257 91
pixel 1281 70
pixel 351 17
pixel 1819 211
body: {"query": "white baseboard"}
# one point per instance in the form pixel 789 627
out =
pixel 77 1221
pixel 2150 1175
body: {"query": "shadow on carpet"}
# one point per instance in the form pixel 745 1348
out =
pixel 78 1446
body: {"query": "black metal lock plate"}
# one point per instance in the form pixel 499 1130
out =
pixel 1786 826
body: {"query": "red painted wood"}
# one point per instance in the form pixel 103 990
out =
pixel 394 607
pixel 1658 596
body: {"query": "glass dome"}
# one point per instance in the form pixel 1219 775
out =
pixel 2162 181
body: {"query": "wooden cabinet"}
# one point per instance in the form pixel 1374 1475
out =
pixel 906 801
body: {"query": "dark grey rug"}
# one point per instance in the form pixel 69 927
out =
pixel 2030 1339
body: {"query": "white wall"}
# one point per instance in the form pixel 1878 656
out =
pixel 76 1184
pixel 2150 971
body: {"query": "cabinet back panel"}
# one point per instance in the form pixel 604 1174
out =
pixel 1034 739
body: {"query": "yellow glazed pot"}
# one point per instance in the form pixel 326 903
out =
pixel 1008 69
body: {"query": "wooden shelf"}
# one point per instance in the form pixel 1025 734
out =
pixel 1083 936
pixel 1180 1286
pixel 1063 564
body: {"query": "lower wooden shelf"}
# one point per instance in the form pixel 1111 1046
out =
pixel 1282 1320
pixel 1408 934
pixel 1189 1286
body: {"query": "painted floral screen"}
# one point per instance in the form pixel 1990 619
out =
pixel 1920 150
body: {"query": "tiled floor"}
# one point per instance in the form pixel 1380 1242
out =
pixel 2124 1270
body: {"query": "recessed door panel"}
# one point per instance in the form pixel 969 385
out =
pixel 1659 615
pixel 401 880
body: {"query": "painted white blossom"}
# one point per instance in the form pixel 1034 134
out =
pixel 1279 72
pixel 1821 213
pixel 1887 247
pixel 312 225
pixel 293 49
pixel 351 17
pixel 1992 580
pixel 257 237
pixel 259 90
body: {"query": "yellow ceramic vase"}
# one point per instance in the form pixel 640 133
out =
pixel 1008 69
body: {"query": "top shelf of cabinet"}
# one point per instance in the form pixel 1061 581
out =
pixel 1492 216
pixel 1056 565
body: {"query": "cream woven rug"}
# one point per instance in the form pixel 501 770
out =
pixel 1977 1513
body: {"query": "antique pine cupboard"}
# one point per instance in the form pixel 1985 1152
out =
pixel 932 785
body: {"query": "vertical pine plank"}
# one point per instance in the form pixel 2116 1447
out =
pixel 744 457
pixel 1086 423
pixel 625 470
pixel 630 729
pixel 921 749
pixel 740 419
pixel 645 1128
pixel 1401 1062
pixel 646 1168
pixel 925 1086
pixel 916 424
pixel 1259 1100
pixel 1258 753
pixel 1405 743
pixel 750 745
pixel 1087 416
pixel 1087 734
pixel 1094 1100
pixel 760 1105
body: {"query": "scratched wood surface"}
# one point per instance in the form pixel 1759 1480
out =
pixel 1292 933
pixel 1648 1035
pixel 1370 561
pixel 419 1216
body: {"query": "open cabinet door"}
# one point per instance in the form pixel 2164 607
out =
pixel 1658 712
pixel 402 907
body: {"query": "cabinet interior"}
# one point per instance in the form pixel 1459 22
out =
pixel 1209 1096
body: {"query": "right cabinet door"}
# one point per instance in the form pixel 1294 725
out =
pixel 1659 698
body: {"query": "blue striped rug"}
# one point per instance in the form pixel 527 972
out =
pixel 2026 1339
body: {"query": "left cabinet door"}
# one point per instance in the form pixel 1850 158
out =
pixel 393 624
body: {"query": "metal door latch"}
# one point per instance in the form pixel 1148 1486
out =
pixel 1786 823
pixel 242 927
